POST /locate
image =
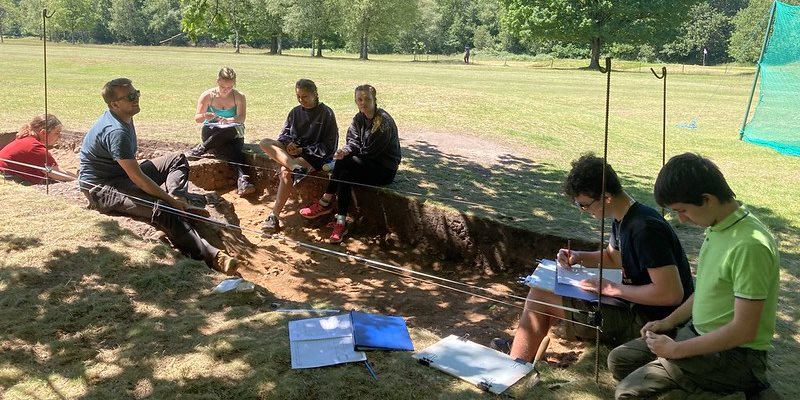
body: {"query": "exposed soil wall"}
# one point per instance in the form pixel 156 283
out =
pixel 473 240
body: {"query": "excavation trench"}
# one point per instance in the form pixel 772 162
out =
pixel 388 226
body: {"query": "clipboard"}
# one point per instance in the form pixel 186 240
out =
pixel 488 369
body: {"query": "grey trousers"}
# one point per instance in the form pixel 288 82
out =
pixel 122 196
pixel 642 374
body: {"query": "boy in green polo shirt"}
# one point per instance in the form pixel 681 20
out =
pixel 725 327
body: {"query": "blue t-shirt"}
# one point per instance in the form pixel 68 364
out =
pixel 107 141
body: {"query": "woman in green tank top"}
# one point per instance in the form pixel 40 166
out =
pixel 222 111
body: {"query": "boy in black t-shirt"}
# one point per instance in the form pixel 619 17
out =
pixel 655 278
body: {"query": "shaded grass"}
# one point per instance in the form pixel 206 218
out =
pixel 83 318
pixel 547 117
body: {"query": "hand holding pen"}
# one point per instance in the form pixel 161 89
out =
pixel 566 258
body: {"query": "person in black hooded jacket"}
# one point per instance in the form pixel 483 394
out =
pixel 371 156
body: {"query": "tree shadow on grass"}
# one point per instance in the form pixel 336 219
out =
pixel 11 242
pixel 94 323
pixel 93 316
pixel 515 190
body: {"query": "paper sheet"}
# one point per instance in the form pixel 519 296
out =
pixel 220 125
pixel 317 342
pixel 545 277
pixel 572 276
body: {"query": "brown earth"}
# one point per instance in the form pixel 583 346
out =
pixel 300 276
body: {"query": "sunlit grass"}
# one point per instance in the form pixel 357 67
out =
pixel 543 116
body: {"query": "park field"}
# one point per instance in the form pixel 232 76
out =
pixel 540 114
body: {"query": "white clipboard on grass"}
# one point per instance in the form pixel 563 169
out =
pixel 486 368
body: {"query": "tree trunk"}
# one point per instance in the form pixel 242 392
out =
pixel 236 39
pixel 273 46
pixel 312 46
pixel 597 44
pixel 319 47
pixel 364 53
pixel 280 44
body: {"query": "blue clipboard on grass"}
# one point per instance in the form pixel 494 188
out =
pixel 379 332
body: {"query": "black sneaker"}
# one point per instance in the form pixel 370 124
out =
pixel 271 225
pixel 298 173
pixel 501 345
pixel 196 152
pixel 244 187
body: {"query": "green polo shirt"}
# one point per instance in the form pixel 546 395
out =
pixel 739 258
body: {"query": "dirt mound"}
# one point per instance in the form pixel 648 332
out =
pixel 400 232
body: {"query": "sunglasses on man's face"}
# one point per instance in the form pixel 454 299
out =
pixel 133 95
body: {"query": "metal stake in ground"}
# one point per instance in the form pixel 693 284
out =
pixel 599 314
pixel 663 121
pixel 46 128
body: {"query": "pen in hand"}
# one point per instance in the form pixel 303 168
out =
pixel 569 252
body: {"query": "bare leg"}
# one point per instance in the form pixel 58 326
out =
pixel 284 190
pixel 277 151
pixel 534 326
pixel 285 185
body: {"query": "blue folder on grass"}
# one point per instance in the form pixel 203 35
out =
pixel 379 332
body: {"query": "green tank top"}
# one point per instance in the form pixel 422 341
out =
pixel 224 113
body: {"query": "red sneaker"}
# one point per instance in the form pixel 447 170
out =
pixel 316 210
pixel 339 231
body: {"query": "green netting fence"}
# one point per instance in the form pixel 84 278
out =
pixel 776 120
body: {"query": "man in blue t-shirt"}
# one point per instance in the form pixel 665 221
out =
pixel 114 181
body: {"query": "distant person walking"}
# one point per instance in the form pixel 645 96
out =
pixel 371 156
pixel 306 143
pixel 466 54
pixel 30 147
pixel 222 111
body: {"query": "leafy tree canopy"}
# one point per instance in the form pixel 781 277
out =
pixel 595 22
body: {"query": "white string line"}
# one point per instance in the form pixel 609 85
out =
pixel 19 172
pixel 494 208
pixel 162 206
pixel 210 156
pixel 367 261
pixel 589 313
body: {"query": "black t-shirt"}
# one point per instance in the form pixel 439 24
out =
pixel 645 240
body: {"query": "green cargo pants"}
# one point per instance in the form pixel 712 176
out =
pixel 642 374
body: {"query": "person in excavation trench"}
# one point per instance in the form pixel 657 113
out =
pixel 655 271
pixel 114 181
pixel 306 143
pixel 371 156
pixel 31 147
pixel 222 111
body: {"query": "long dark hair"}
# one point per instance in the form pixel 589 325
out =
pixel 377 120
pixel 309 86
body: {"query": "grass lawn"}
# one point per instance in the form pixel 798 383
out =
pixel 547 116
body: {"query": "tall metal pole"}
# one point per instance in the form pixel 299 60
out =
pixel 758 68
pixel 599 313
pixel 46 128
pixel 663 121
